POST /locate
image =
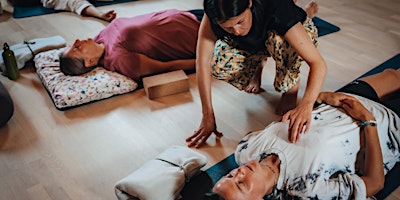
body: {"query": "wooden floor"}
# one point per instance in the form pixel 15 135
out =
pixel 81 153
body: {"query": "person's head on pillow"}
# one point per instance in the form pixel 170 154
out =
pixel 82 57
pixel 249 181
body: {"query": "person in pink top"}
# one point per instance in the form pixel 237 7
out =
pixel 139 46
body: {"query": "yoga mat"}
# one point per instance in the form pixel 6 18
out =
pixel 201 184
pixel 324 27
pixel 21 12
pixel 393 62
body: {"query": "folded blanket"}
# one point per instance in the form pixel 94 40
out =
pixel 26 50
pixel 162 177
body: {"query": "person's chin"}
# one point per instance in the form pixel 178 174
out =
pixel 244 34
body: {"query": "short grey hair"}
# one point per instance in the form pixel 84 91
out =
pixel 73 66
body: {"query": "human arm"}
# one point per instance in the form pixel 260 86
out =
pixel 332 98
pixel 204 53
pixel 373 177
pixel 149 66
pixel 301 115
pixel 94 12
pixel 136 65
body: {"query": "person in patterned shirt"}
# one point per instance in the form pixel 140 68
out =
pixel 353 142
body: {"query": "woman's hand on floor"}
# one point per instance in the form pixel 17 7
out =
pixel 207 127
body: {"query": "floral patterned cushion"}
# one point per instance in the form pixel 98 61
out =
pixel 69 91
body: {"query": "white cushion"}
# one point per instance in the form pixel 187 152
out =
pixel 69 91
pixel 162 178
pixel 23 53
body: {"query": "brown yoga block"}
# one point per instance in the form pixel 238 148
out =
pixel 166 84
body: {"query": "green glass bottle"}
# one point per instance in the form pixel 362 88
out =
pixel 10 62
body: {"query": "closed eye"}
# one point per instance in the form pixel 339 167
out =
pixel 240 185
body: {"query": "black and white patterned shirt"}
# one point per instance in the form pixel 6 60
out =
pixel 322 165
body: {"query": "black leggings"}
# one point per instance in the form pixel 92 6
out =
pixel 363 89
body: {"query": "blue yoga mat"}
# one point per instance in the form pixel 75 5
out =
pixel 324 27
pixel 21 12
pixel 394 63
pixel 204 182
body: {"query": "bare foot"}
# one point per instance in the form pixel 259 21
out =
pixel 288 100
pixel 311 9
pixel 255 82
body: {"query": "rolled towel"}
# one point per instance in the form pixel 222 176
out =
pixel 163 177
pixel 26 50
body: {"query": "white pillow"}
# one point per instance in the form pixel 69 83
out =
pixel 23 52
pixel 69 91
pixel 162 178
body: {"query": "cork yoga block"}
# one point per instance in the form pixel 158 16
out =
pixel 166 84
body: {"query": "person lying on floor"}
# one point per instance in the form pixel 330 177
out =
pixel 80 7
pixel 135 47
pixel 140 46
pixel 353 142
